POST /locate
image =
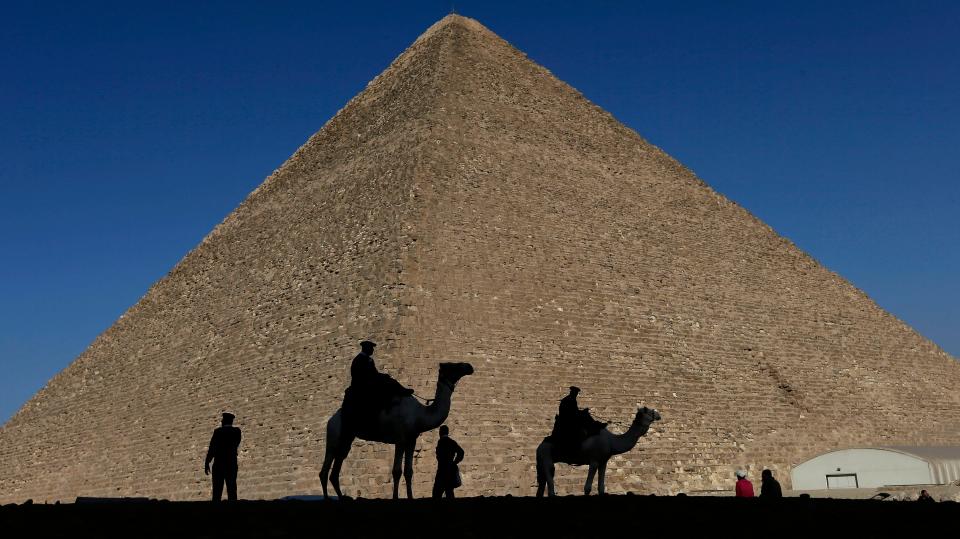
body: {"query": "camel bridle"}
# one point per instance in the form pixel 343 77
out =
pixel 450 385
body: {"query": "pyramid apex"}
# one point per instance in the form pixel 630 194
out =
pixel 455 19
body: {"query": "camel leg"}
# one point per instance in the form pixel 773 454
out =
pixel 330 451
pixel 601 474
pixel 335 476
pixel 551 470
pixel 408 467
pixel 541 480
pixel 590 474
pixel 325 470
pixel 541 475
pixel 545 469
pixel 397 456
pixel 343 450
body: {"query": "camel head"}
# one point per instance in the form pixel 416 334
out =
pixel 451 373
pixel 646 416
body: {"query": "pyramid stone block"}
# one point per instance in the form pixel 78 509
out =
pixel 469 206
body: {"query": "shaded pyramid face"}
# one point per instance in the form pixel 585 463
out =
pixel 469 206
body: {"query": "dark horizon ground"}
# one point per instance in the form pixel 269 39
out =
pixel 567 516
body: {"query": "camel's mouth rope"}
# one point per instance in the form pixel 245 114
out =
pixel 425 400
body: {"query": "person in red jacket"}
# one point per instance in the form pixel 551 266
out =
pixel 744 487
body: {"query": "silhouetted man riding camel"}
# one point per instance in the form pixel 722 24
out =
pixel 578 439
pixel 378 409
pixel 370 390
pixel 573 425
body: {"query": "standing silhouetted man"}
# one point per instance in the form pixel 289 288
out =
pixel 223 453
pixel 449 454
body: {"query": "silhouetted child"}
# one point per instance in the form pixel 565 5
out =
pixel 223 453
pixel 449 454
pixel 769 487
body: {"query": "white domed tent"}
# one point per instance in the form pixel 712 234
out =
pixel 870 467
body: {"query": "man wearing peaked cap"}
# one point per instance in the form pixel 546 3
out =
pixel 363 367
pixel 568 404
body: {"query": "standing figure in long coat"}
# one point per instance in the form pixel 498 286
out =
pixel 449 454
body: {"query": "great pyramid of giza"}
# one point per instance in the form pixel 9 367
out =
pixel 469 206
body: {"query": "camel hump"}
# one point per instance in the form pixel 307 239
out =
pixel 363 402
pixel 570 431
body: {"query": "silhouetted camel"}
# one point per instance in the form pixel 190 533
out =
pixel 596 450
pixel 400 425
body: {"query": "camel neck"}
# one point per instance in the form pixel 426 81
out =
pixel 624 442
pixel 438 410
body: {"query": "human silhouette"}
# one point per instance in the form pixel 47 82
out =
pixel 223 453
pixel 924 496
pixel 769 487
pixel 573 425
pixel 449 454
pixel 744 488
pixel 370 390
pixel 363 368
pixel 568 404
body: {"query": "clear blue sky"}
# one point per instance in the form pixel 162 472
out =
pixel 129 129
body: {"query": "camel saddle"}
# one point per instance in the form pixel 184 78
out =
pixel 569 432
pixel 362 402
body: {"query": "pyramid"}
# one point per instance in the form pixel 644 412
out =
pixel 469 206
